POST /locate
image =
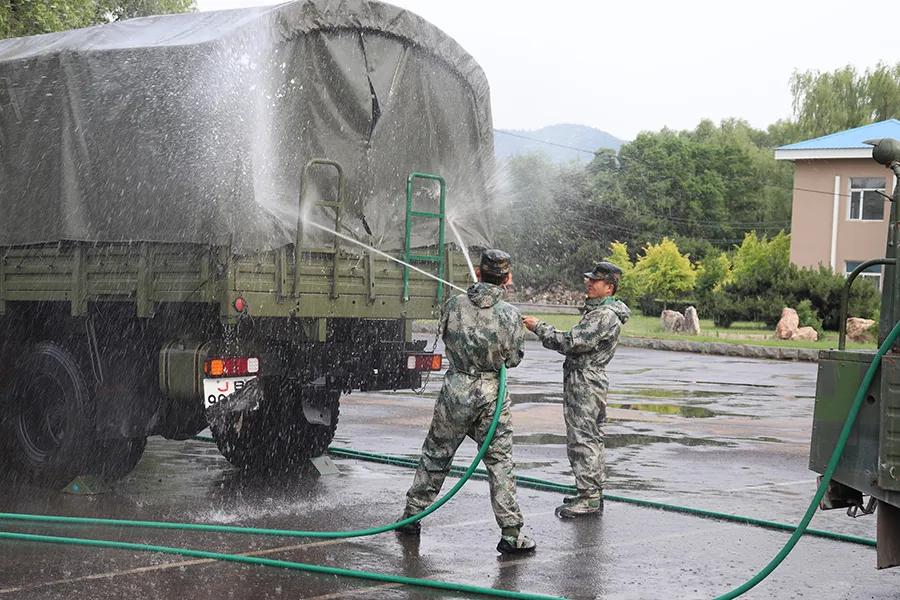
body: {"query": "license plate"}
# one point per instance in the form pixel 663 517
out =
pixel 217 390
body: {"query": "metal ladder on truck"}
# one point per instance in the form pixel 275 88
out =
pixel 408 255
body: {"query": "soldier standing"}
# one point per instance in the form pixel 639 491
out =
pixel 588 348
pixel 480 333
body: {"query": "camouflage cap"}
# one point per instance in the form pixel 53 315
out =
pixel 605 271
pixel 494 262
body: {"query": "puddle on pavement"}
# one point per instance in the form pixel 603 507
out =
pixel 618 440
pixel 535 398
pixel 669 393
pixel 691 412
pixel 730 384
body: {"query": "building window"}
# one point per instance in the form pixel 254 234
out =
pixel 866 204
pixel 872 274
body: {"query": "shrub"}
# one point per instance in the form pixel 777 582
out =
pixel 663 272
pixel 809 317
pixel 759 261
pixel 817 290
pixel 713 272
pixel 726 307
pixel 651 307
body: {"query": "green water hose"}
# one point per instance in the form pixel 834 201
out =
pixel 284 564
pixel 535 483
pixel 521 481
pixel 550 486
pixel 457 587
pixel 826 476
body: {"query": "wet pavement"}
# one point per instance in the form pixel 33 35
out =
pixel 710 432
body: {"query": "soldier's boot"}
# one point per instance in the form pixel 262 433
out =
pixel 513 541
pixel 582 507
pixel 576 497
pixel 410 528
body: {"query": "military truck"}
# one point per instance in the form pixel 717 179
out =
pixel 199 216
pixel 870 464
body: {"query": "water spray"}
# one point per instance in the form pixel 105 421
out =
pixel 462 247
pixel 384 254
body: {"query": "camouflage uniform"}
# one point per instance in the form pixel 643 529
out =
pixel 588 348
pixel 481 333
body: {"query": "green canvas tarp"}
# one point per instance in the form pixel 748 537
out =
pixel 196 127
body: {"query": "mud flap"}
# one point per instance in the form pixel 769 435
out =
pixel 316 409
pixel 888 536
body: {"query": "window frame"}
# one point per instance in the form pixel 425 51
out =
pixel 862 195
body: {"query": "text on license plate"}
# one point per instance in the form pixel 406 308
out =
pixel 217 390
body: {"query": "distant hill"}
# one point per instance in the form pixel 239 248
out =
pixel 507 142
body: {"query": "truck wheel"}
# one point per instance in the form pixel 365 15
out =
pixel 285 431
pixel 49 401
pixel 117 458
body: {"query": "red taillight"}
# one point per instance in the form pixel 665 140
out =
pixel 231 366
pixel 240 304
pixel 424 362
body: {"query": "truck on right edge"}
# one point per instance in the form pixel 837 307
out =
pixel 870 464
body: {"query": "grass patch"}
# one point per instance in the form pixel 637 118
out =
pixel 754 334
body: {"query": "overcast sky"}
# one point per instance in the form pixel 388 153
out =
pixel 624 67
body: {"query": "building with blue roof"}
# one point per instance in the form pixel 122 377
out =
pixel 839 214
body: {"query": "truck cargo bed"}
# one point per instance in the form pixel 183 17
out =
pixel 150 273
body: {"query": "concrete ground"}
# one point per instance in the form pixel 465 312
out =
pixel 711 432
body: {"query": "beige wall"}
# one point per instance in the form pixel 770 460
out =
pixel 812 214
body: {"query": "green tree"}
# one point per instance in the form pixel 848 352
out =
pixel 662 272
pixel 618 255
pixel 702 187
pixel 758 261
pixel 713 272
pixel 842 99
pixel 30 17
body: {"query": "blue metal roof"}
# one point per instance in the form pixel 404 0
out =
pixel 851 138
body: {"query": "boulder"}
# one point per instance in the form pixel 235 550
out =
pixel 858 329
pixel 807 334
pixel 691 321
pixel 787 325
pixel 672 321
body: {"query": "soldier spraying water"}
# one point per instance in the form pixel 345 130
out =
pixel 481 333
pixel 588 348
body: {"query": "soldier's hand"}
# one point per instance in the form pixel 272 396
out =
pixel 530 322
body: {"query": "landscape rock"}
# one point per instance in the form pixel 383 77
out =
pixel 672 321
pixel 858 329
pixel 788 324
pixel 807 334
pixel 691 321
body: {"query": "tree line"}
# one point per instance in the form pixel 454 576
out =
pixel 702 190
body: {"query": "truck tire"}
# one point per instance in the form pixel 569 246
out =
pixel 49 403
pixel 277 436
pixel 117 458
